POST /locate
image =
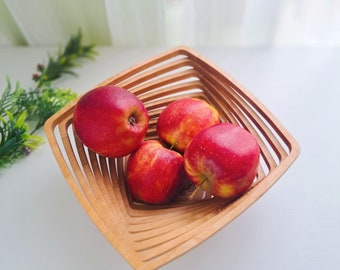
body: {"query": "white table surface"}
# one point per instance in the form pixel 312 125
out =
pixel 295 225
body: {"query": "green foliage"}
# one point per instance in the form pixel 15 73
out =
pixel 15 141
pixel 65 60
pixel 19 106
pixel 11 100
pixel 42 103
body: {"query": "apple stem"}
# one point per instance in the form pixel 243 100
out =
pixel 132 120
pixel 192 195
pixel 172 146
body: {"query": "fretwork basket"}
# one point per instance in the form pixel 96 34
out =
pixel 151 236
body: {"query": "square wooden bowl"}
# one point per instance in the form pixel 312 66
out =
pixel 151 236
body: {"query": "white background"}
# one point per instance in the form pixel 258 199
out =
pixel 295 225
pixel 133 23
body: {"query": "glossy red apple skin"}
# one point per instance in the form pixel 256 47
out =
pixel 155 174
pixel 223 160
pixel 110 121
pixel 182 119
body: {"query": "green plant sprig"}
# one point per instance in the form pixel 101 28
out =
pixel 66 59
pixel 18 106
pixel 15 142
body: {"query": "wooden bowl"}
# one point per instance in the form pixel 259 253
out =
pixel 151 236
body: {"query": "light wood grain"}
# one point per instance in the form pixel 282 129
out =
pixel 151 236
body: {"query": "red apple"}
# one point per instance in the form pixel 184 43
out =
pixel 154 173
pixel 223 160
pixel 182 119
pixel 110 121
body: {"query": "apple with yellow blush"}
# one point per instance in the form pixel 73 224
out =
pixel 223 160
pixel 110 121
pixel 154 174
pixel 182 119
